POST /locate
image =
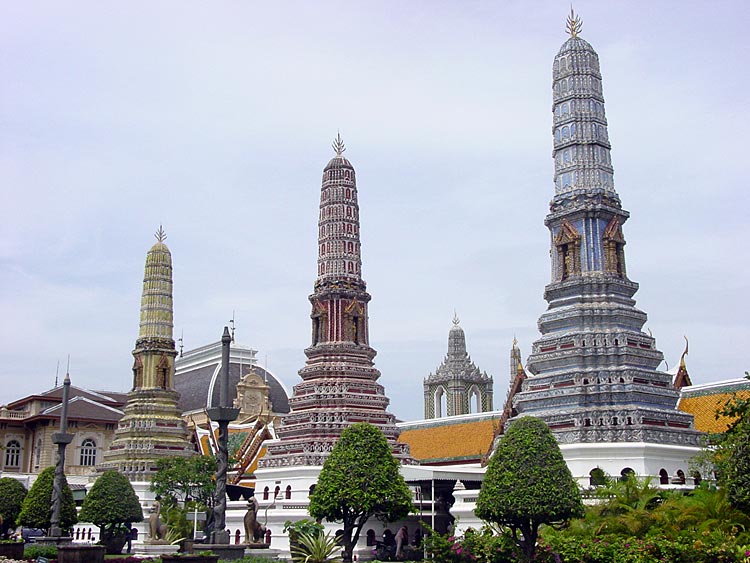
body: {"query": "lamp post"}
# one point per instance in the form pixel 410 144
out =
pixel 62 439
pixel 223 415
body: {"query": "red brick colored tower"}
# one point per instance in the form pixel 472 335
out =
pixel 339 381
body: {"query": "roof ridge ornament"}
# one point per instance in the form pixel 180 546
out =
pixel 685 353
pixel 338 144
pixel 574 23
pixel 160 235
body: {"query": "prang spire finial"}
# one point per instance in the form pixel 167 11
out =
pixel 338 144
pixel 160 235
pixel 455 318
pixel 574 23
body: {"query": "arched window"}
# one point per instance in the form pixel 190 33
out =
pixel 265 493
pixel 13 454
pixel 679 477
pixel 626 473
pixel 276 492
pixel 475 401
pixel 441 403
pixel 288 492
pixel 311 490
pixel 371 537
pixel 88 452
pixel 697 478
pixel 663 477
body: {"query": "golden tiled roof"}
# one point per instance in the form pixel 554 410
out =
pixel 703 408
pixel 447 441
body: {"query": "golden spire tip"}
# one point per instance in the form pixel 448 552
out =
pixel 160 235
pixel 573 24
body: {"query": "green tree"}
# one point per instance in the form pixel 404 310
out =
pixel 731 455
pixel 360 479
pixel 12 493
pixel 179 478
pixel 528 484
pixel 111 504
pixel 37 506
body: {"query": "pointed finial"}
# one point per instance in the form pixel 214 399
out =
pixel 685 353
pixel 231 323
pixel 455 318
pixel 515 342
pixel 66 380
pixel 574 23
pixel 338 144
pixel 181 341
pixel 160 235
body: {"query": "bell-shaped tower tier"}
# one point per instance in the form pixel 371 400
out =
pixel 593 373
pixel 339 381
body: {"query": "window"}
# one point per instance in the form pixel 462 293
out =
pixel 663 477
pixel 288 492
pixel 88 452
pixel 475 401
pixel 265 493
pixel 38 453
pixel 13 454
pixel 441 403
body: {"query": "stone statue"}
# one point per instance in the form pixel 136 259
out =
pixel 157 532
pixel 254 530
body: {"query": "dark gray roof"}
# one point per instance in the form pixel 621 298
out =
pixel 193 387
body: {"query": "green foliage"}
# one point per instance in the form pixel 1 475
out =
pixel 177 478
pixel 315 547
pixel 304 526
pixel 32 551
pixel 178 526
pixel 732 451
pixel 110 504
pixel 360 479
pixel 12 493
pixel 486 546
pixel 527 484
pixel 36 507
pixel 637 523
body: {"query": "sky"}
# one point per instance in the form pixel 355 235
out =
pixel 215 120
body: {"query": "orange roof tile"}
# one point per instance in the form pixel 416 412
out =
pixel 704 407
pixel 447 441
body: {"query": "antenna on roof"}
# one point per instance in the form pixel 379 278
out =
pixel 180 340
pixel 67 369
pixel 231 323
pixel 57 372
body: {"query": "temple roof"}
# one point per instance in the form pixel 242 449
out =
pixel 702 401
pixel 457 363
pixel 196 377
pixel 450 440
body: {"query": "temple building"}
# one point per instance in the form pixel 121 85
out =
pixel 151 427
pixel 592 375
pixel 457 386
pixel 339 381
